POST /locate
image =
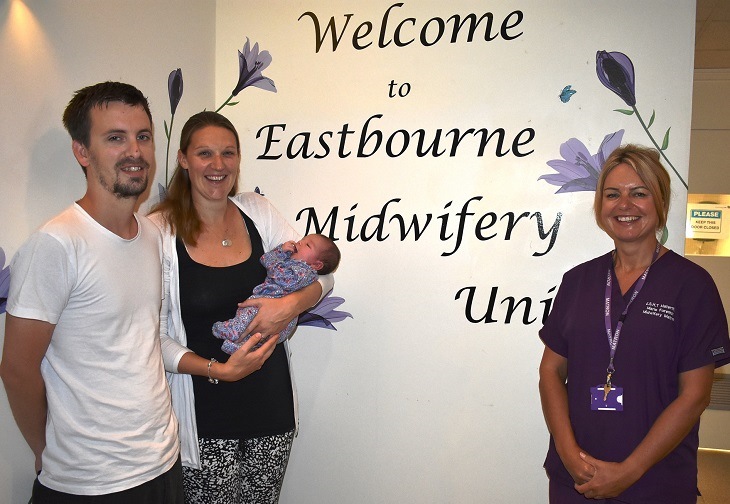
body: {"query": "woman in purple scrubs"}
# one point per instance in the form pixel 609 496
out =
pixel 631 346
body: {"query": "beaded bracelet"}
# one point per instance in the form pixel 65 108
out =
pixel 214 381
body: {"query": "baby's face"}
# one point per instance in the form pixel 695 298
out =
pixel 308 249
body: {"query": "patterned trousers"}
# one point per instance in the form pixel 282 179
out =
pixel 249 471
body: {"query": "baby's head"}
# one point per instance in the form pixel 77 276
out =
pixel 319 252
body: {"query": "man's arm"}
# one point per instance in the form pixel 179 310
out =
pixel 26 342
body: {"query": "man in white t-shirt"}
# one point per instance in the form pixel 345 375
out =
pixel 81 363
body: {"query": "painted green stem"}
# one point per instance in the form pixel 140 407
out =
pixel 224 103
pixel 167 151
pixel 658 148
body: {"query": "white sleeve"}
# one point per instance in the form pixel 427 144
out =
pixel 172 351
pixel 42 276
pixel 327 282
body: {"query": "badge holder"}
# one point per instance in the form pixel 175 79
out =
pixel 613 401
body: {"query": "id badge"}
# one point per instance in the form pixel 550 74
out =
pixel 614 401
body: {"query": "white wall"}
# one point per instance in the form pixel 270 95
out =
pixel 408 401
pixel 47 51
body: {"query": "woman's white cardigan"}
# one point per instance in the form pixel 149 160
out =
pixel 274 230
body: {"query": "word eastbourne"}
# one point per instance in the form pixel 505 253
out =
pixel 372 140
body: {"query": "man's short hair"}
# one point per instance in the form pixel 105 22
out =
pixel 77 116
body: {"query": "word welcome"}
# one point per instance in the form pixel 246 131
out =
pixel 408 30
pixel 387 223
pixel 371 140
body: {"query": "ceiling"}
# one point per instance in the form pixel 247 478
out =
pixel 712 34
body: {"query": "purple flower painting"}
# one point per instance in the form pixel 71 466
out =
pixel 174 91
pixel 616 71
pixel 251 64
pixel 161 192
pixel 324 314
pixel 4 281
pixel 578 170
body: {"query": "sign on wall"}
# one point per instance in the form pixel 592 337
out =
pixel 452 150
pixel 708 225
pixel 707 221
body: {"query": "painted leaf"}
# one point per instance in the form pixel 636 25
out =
pixel 665 142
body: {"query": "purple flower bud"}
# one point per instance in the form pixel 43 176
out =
pixel 616 72
pixel 175 89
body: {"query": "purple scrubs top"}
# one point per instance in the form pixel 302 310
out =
pixel 677 323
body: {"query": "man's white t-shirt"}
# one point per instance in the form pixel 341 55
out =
pixel 110 424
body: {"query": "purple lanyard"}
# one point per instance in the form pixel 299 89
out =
pixel 613 339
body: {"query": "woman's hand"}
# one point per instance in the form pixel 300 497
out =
pixel 242 363
pixel 675 422
pixel 609 480
pixel 273 315
pixel 579 469
pixel 245 360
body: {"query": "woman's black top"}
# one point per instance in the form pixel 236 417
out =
pixel 259 405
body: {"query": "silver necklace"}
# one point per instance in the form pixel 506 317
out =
pixel 226 242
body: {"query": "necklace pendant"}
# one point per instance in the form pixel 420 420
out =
pixel 226 242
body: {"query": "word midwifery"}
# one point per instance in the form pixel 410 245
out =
pixel 388 224
pixel 403 31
